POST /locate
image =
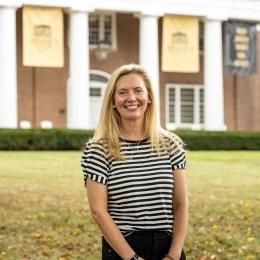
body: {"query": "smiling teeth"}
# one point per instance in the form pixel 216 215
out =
pixel 132 106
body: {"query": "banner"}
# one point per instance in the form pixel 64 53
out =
pixel 180 44
pixel 43 37
pixel 240 47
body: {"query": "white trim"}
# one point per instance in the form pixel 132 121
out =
pixel 8 68
pixel 178 105
pixel 149 52
pixel 196 105
pixel 221 9
pixel 78 83
pixel 213 77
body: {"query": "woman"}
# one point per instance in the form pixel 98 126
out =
pixel 134 174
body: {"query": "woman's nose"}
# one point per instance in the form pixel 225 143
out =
pixel 131 95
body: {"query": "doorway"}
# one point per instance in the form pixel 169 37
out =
pixel 98 82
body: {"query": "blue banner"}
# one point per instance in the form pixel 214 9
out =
pixel 240 47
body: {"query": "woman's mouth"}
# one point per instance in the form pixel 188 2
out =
pixel 132 107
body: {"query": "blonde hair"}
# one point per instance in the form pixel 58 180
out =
pixel 107 131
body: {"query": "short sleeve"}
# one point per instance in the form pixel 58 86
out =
pixel 177 153
pixel 94 163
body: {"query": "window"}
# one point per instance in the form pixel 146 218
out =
pixel 187 101
pixel 185 106
pixel 95 92
pixel 102 29
pixel 93 29
pixel 171 104
pixel 201 106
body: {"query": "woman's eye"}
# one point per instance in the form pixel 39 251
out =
pixel 122 93
pixel 138 91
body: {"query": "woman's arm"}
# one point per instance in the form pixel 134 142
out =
pixel 180 209
pixel 97 198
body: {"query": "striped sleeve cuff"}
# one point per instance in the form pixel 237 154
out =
pixel 179 166
pixel 95 177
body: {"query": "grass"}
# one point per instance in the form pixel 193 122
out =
pixel 44 213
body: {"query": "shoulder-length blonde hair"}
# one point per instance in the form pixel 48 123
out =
pixel 107 130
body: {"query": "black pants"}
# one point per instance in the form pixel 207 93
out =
pixel 150 245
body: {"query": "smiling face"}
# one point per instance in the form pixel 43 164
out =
pixel 131 97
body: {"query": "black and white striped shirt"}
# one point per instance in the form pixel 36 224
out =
pixel 139 187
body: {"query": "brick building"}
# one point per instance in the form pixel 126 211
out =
pixel 213 99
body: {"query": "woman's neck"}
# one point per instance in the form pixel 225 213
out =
pixel 132 131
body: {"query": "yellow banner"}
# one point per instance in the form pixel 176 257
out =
pixel 180 44
pixel 43 37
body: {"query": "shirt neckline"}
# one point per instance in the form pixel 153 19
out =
pixel 133 141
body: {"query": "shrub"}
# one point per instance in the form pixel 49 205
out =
pixel 67 139
pixel 229 140
pixel 43 139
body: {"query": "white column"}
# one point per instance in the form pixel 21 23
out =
pixel 78 83
pixel 149 50
pixel 213 76
pixel 8 77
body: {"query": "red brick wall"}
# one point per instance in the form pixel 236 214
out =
pixel 241 98
pixel 24 78
pixel 254 84
pixel 229 100
pixel 255 100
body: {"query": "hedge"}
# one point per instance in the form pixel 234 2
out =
pixel 228 140
pixel 43 139
pixel 65 139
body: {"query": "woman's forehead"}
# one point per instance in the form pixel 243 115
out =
pixel 131 80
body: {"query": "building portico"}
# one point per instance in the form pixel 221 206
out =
pixel 141 47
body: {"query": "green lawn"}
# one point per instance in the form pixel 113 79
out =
pixel 44 213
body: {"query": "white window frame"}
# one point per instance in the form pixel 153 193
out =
pixel 100 73
pixel 98 84
pixel 196 125
pixel 101 30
